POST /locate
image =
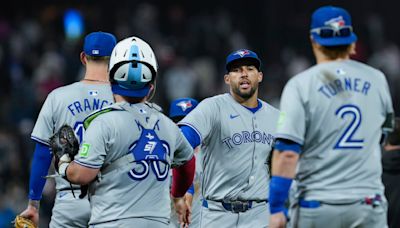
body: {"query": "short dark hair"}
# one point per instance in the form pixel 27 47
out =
pixel 394 137
pixel 98 58
pixel 335 52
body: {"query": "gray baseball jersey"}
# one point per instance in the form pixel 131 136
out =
pixel 235 146
pixel 150 143
pixel 336 111
pixel 69 105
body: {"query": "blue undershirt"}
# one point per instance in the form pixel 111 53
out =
pixel 254 110
pixel 39 169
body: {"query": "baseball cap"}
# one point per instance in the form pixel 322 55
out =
pixel 99 44
pixel 182 106
pixel 331 26
pixel 240 55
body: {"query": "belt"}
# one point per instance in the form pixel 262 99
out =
pixel 68 189
pixel 309 203
pixel 235 206
pixel 374 201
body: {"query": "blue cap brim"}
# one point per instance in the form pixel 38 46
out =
pixel 129 92
pixel 257 62
pixel 335 41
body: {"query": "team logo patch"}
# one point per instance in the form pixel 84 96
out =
pixel 340 72
pixel 242 53
pixel 185 105
pixel 84 152
pixel 93 93
pixel 336 22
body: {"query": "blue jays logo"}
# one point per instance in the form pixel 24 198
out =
pixel 242 52
pixel 185 105
pixel 336 22
pixel 150 153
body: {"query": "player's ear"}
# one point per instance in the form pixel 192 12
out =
pixel 227 79
pixel 83 58
pixel 151 90
pixel 260 76
pixel 353 49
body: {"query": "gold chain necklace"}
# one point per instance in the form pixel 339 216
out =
pixel 94 80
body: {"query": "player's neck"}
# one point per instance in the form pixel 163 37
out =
pixel 96 75
pixel 320 57
pixel 251 102
pixel 131 100
pixel 323 59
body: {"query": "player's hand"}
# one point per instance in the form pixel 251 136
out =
pixel 189 200
pixel 182 210
pixel 32 212
pixel 277 220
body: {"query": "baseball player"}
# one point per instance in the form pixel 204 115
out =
pixel 391 174
pixel 179 108
pixel 70 105
pixel 236 132
pixel 129 148
pixel 329 132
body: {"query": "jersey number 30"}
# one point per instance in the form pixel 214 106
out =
pixel 347 140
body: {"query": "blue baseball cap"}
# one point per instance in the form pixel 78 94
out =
pixel 182 107
pixel 99 44
pixel 240 55
pixel 331 26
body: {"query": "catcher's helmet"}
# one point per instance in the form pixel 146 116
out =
pixel 133 66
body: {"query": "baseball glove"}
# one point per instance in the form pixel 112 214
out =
pixel 64 142
pixel 21 222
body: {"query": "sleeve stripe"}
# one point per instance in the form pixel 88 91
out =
pixel 87 165
pixel 194 128
pixel 290 137
pixel 40 140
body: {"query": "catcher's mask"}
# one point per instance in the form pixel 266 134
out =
pixel 133 67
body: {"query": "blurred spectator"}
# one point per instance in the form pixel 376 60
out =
pixel 391 175
pixel 190 39
pixel 180 80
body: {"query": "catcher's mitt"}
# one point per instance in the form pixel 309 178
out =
pixel 21 222
pixel 64 142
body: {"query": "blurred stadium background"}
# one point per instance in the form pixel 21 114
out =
pixel 40 42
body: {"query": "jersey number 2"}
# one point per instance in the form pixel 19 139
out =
pixel 346 140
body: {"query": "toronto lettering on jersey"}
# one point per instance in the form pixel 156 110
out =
pixel 345 85
pixel 248 137
pixel 87 105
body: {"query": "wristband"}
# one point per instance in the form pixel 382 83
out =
pixel 278 193
pixel 191 190
pixel 62 169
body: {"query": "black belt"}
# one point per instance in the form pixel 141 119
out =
pixel 235 206
pixel 69 189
